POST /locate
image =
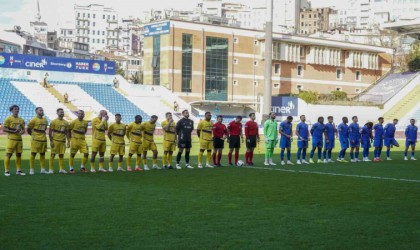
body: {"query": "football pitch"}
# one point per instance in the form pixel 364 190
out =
pixel 318 206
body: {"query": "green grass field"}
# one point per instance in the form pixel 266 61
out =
pixel 319 206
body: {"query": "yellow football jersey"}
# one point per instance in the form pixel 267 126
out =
pixel 134 132
pixel 118 132
pixel 206 129
pixel 98 129
pixel 148 130
pixel 17 123
pixel 78 129
pixel 169 133
pixel 39 128
pixel 59 128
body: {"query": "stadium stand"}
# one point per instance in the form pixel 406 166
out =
pixel 387 88
pixel 42 98
pixel 14 96
pixel 80 98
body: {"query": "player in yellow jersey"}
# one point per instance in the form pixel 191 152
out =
pixel 169 140
pixel 148 129
pixel 78 130
pixel 134 135
pixel 59 134
pixel 99 127
pixel 14 126
pixel 205 133
pixel 37 128
pixel 116 134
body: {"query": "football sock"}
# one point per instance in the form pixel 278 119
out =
pixel 329 153
pixel 267 155
pixel 375 152
pixel 138 160
pixel 51 163
pixel 357 154
pixel 214 158
pixel 18 163
pixel 169 159
pixel 343 154
pixel 247 157
pixel 71 162
pixel 32 162
pixel 200 157
pixel 208 158
pixel 230 157
pixel 84 160
pixel 236 157
pixel 119 164
pixel 154 160
pixel 219 157
pixel 251 156
pixel 282 154
pixel 319 153
pixel 61 163
pixel 405 153
pixel 187 157
pixel 144 161
pixel 311 155
pixel 129 160
pixel 304 154
pixel 101 164
pixel 42 161
pixel 164 159
pixel 288 155
pixel 412 153
pixel 110 164
pixel 299 152
pixel 351 155
pixel 388 152
pixel 178 157
pixel 6 164
pixel 325 154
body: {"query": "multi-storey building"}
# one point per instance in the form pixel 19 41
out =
pixel 314 20
pixel 207 62
pixel 97 26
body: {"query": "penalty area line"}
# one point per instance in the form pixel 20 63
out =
pixel 333 174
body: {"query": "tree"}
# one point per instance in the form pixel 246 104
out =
pixel 137 78
pixel 413 59
pixel 119 70
pixel 309 96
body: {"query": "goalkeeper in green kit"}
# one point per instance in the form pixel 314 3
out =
pixel 271 138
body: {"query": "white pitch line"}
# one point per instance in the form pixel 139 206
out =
pixel 333 174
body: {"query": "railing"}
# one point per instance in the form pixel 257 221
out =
pixel 351 100
pixel 377 81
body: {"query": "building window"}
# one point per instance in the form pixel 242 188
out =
pixel 358 75
pixel 299 87
pixel 235 82
pixel 255 63
pixel 103 41
pixel 88 15
pixel 103 17
pixel 217 49
pixel 94 15
pixel 301 24
pixel 235 40
pixel 302 51
pixel 103 33
pixel 78 14
pixel 93 23
pixel 156 60
pixel 358 90
pixel 255 83
pixel 276 85
pixel 277 68
pixel 339 89
pixel 339 74
pixel 187 46
pixel 300 70
pixel 98 40
pixel 310 16
pixel 255 42
pixel 93 32
pixel 303 16
pixel 113 17
pixel 235 61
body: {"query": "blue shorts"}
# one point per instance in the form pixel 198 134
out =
pixel 378 143
pixel 344 143
pixel 317 143
pixel 355 143
pixel 390 141
pixel 366 143
pixel 330 145
pixel 410 143
pixel 302 144
pixel 285 142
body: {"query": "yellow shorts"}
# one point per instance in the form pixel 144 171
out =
pixel 38 147
pixel 59 148
pixel 117 149
pixel 78 145
pixel 136 148
pixel 168 146
pixel 206 145
pixel 14 147
pixel 148 145
pixel 98 146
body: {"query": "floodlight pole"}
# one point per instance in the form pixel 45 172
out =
pixel 268 63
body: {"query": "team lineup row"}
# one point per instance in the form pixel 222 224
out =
pixel 212 137
pixel 63 134
pixel 323 136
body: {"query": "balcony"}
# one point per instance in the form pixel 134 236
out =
pixel 112 21
pixel 112 37
pixel 82 18
pixel 82 27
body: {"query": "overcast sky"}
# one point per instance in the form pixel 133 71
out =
pixel 56 12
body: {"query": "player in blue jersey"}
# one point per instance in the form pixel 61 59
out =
pixel 317 132
pixel 411 139
pixel 378 139
pixel 329 142
pixel 302 133
pixel 389 138
pixel 343 136
pixel 367 138
pixel 285 130
pixel 354 137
